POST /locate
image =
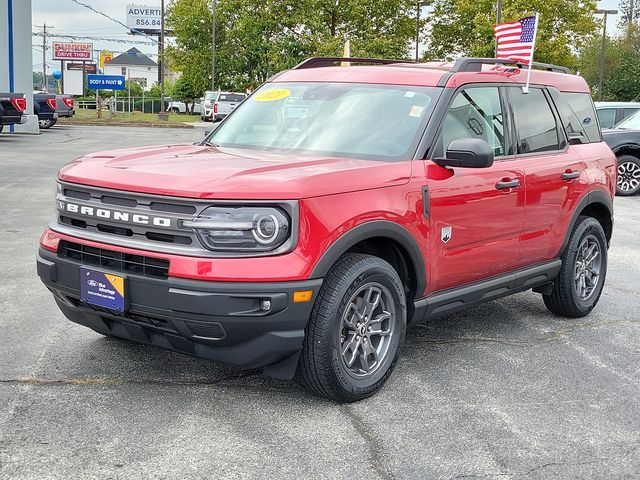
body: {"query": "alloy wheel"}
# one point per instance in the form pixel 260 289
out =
pixel 367 326
pixel 628 176
pixel 588 267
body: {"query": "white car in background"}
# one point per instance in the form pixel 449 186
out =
pixel 612 113
pixel 181 107
pixel 217 105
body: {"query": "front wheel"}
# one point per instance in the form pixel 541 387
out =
pixel 584 268
pixel 356 330
pixel 628 175
pixel 45 124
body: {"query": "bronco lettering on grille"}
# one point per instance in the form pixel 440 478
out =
pixel 116 215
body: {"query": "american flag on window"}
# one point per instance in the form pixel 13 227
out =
pixel 516 40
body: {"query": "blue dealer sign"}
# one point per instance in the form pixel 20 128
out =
pixel 106 82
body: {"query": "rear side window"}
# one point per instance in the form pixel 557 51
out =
pixel 230 97
pixel 607 117
pixel 535 122
pixel 581 105
pixel 627 112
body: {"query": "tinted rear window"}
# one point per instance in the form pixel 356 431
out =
pixel 231 97
pixel 581 115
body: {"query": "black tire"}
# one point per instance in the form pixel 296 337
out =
pixel 175 110
pixel 628 175
pixel 323 368
pixel 565 299
pixel 1 128
pixel 46 124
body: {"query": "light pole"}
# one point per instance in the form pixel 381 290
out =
pixel 602 47
pixel 213 48
pixel 498 12
pixel 419 5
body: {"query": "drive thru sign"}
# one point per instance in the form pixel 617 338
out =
pixel 106 82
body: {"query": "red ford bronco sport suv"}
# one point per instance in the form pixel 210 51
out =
pixel 334 207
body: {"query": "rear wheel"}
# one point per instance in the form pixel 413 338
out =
pixel 584 267
pixel 628 175
pixel 357 326
pixel 45 124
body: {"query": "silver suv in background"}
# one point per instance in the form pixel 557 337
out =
pixel 217 105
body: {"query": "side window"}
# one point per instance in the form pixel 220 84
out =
pixel 627 112
pixel 607 117
pixel 474 113
pixel 582 107
pixel 535 123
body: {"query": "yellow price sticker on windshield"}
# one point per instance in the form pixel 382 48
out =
pixel 272 95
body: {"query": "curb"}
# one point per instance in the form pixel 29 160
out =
pixel 126 124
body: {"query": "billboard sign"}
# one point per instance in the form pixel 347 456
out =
pixel 105 57
pixel 86 67
pixel 106 82
pixel 144 18
pixel 72 51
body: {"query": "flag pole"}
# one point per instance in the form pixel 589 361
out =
pixel 533 51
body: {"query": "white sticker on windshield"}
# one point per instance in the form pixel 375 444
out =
pixel 410 94
pixel 416 111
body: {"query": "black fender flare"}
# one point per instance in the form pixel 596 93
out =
pixel 373 229
pixel 593 197
pixel 633 146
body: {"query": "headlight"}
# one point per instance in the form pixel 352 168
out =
pixel 241 229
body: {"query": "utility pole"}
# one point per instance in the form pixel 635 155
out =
pixel 163 115
pixel 419 5
pixel 499 12
pixel 603 46
pixel 213 48
pixel 44 52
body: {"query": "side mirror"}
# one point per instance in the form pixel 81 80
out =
pixel 207 132
pixel 467 153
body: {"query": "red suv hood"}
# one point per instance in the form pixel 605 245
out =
pixel 206 172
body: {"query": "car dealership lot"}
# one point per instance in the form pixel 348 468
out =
pixel 504 389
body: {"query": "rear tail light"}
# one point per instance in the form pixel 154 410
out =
pixel 52 103
pixel 68 102
pixel 215 108
pixel 20 104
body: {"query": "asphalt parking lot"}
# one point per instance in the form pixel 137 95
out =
pixel 500 391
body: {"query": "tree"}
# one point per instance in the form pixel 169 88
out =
pixel 185 91
pixel 621 80
pixel 465 27
pixel 257 38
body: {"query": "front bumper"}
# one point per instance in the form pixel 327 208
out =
pixel 220 321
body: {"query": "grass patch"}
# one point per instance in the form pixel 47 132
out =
pixel 83 115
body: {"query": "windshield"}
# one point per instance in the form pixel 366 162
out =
pixel 630 123
pixel 374 122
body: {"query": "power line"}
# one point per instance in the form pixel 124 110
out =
pixel 89 37
pixel 114 20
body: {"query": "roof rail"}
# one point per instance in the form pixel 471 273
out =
pixel 475 65
pixel 318 62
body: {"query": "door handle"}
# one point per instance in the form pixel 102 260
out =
pixel 570 175
pixel 504 184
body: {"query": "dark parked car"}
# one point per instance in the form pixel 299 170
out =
pixel 44 105
pixel 12 107
pixel 612 113
pixel 65 106
pixel 624 140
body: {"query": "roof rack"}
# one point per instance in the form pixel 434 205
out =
pixel 475 65
pixel 318 62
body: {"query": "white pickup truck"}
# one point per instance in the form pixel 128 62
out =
pixel 217 105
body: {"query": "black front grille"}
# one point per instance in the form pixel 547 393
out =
pixel 115 261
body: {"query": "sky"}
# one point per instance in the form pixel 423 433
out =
pixel 68 17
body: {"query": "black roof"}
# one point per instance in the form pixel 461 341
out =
pixel 133 56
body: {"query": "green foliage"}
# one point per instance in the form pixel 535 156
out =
pixel 465 27
pixel 256 39
pixel 621 80
pixel 136 89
